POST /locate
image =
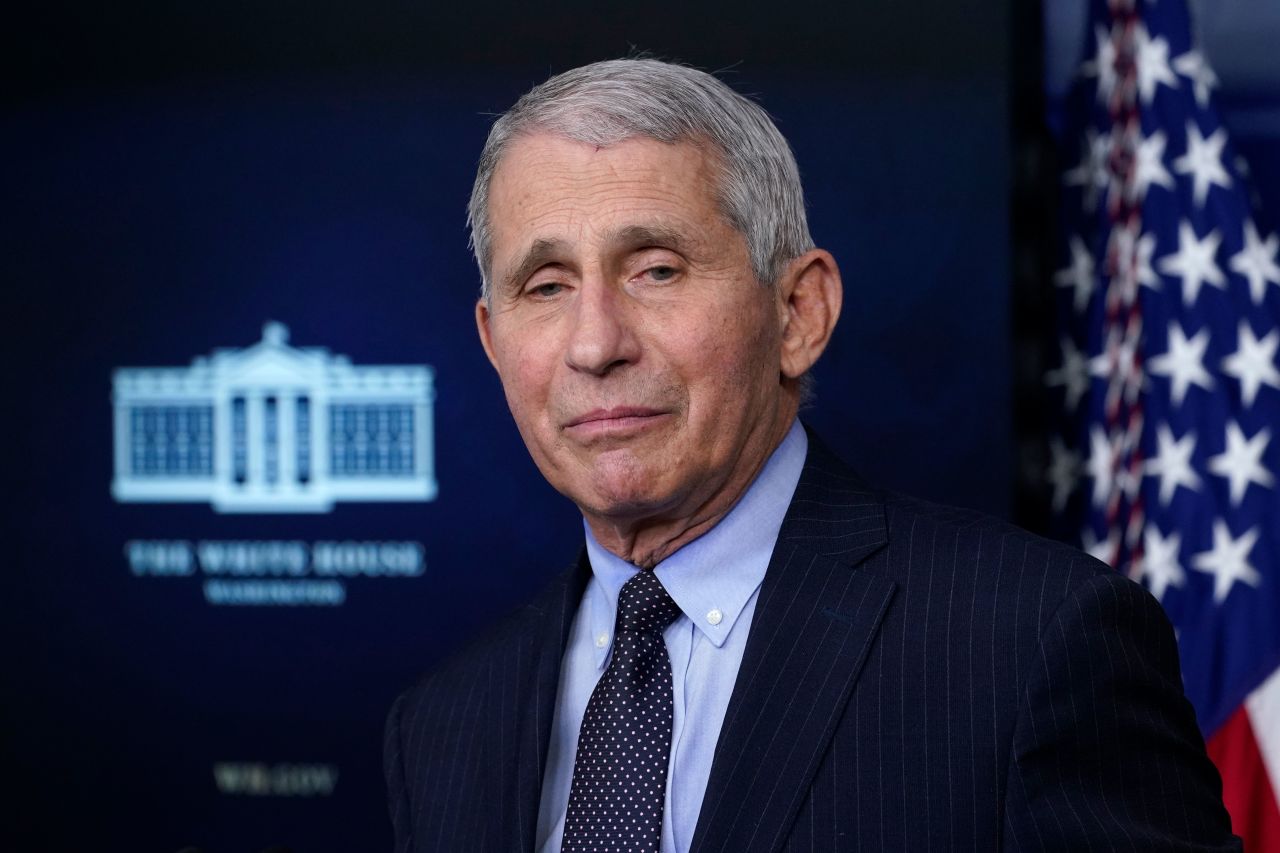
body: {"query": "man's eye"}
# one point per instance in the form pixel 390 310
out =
pixel 549 288
pixel 662 273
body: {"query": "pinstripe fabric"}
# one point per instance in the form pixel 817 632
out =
pixel 916 678
pixel 465 748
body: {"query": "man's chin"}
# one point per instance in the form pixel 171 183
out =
pixel 629 498
pixel 626 504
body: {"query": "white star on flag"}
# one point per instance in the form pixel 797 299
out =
pixel 1192 66
pixel 1145 248
pixel 1253 362
pixel 1203 161
pixel 1134 255
pixel 1194 262
pixel 1073 375
pixel 1257 261
pixel 1128 482
pixel 1119 358
pixel 1241 462
pixel 1149 168
pixel 1101 465
pixel 1079 275
pixel 1100 549
pixel 1063 473
pixel 1228 560
pixel 1172 462
pixel 1183 362
pixel 1153 63
pixel 1091 173
pixel 1120 365
pixel 1159 565
pixel 1103 65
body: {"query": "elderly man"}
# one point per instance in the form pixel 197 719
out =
pixel 756 651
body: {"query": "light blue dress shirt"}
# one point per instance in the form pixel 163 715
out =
pixel 715 580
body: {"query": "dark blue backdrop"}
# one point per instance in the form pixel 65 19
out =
pixel 157 225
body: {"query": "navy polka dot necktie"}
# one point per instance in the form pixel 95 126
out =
pixel 620 770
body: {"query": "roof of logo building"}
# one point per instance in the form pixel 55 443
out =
pixel 272 362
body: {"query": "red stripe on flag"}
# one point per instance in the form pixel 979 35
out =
pixel 1246 788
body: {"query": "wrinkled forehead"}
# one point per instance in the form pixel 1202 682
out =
pixel 543 176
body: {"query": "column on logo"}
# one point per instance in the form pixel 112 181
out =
pixel 222 473
pixel 123 438
pixel 423 441
pixel 256 434
pixel 286 442
pixel 320 434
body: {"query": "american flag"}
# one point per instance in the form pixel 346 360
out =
pixel 1169 326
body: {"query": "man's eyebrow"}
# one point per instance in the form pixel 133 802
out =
pixel 642 236
pixel 541 252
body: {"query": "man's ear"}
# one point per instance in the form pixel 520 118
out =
pixel 482 326
pixel 809 299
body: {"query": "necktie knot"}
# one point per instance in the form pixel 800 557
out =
pixel 645 606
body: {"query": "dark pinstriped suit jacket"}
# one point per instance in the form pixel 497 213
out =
pixel 916 678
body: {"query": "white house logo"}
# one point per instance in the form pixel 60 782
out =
pixel 273 428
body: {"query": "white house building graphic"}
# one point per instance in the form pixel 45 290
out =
pixel 274 428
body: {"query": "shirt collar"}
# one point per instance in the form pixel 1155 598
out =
pixel 713 577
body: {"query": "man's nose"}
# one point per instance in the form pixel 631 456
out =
pixel 602 338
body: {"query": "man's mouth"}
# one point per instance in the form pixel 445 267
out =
pixel 616 422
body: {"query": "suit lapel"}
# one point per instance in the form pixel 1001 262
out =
pixel 814 622
pixel 526 722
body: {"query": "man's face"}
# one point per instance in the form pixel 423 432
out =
pixel 637 350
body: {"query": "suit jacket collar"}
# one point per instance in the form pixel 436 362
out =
pixel 814 621
pixel 527 722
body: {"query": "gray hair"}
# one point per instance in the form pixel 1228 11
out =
pixel 759 190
